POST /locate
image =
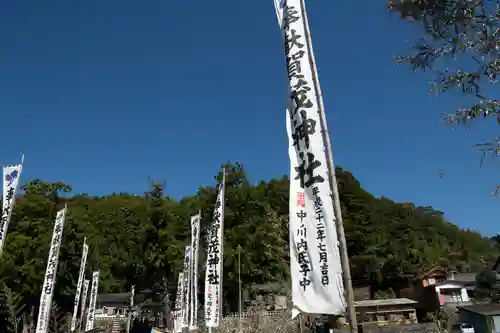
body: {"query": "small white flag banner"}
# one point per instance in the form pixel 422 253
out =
pixel 178 305
pixel 213 271
pixel 81 276
pixel 11 176
pixel 50 274
pixel 85 291
pixel 186 288
pixel 132 294
pixel 317 285
pixel 93 298
pixel 193 271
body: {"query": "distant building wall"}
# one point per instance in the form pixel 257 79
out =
pixel 464 297
pixel 362 293
pixel 387 315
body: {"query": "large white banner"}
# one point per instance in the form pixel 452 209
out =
pixel 93 298
pixel 81 276
pixel 49 282
pixel 317 285
pixel 178 305
pixel 213 271
pixel 85 290
pixel 193 271
pixel 11 176
pixel 186 287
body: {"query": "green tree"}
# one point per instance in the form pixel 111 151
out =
pixel 459 45
pixel 486 285
pixel 139 240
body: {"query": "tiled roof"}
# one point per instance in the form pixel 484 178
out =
pixel 483 309
pixel 385 302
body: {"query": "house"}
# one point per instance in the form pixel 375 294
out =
pixel 436 288
pixel 383 312
pixel 485 318
pixel 112 310
pixel 431 277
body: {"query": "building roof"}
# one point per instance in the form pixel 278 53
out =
pixel 269 287
pixel 463 278
pixel 385 302
pixel 466 278
pixel 483 309
pixel 437 270
pixel 118 299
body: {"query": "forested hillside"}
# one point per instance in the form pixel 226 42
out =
pixel 140 239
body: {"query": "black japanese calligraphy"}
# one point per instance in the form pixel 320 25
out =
pixel 48 288
pixel 214 244
pixel 9 199
pixel 294 68
pixel 213 277
pixel 292 40
pixel 300 98
pixel 305 282
pixel 218 203
pixel 302 248
pixel 302 245
pixel 321 236
pixel 291 15
pixel 325 280
pixel 307 168
pixel 301 215
pixel 213 259
pixel 303 130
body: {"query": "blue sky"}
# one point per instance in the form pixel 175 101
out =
pixel 104 94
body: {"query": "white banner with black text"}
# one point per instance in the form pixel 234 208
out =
pixel 186 282
pixel 193 271
pixel 317 283
pixel 93 299
pixel 11 176
pixel 85 292
pixel 178 305
pixel 81 276
pixel 49 282
pixel 213 271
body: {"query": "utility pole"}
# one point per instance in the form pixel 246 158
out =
pixel 239 287
pixel 344 258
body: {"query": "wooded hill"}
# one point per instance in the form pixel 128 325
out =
pixel 140 239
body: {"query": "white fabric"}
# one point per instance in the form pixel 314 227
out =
pixel 50 274
pixel 213 272
pixel 317 285
pixel 11 176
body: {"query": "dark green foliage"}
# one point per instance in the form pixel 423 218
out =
pixel 140 239
pixel 11 309
pixel 486 285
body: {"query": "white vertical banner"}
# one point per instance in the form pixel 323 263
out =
pixel 81 276
pixel 178 305
pixel 193 271
pixel 213 271
pixel 85 291
pixel 317 284
pixel 11 176
pixel 93 298
pixel 49 282
pixel 132 295
pixel 186 287
pixel 129 314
